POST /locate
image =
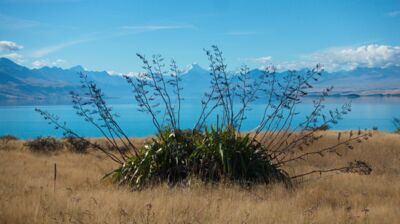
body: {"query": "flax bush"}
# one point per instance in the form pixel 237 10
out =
pixel 219 151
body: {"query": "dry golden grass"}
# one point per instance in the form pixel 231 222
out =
pixel 27 194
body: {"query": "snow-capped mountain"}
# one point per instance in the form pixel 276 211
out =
pixel 20 85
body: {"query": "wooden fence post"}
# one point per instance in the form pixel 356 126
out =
pixel 55 176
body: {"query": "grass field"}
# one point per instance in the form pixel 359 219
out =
pixel 28 194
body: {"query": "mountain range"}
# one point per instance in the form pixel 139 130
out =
pixel 51 85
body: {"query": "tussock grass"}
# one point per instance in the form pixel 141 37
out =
pixel 27 195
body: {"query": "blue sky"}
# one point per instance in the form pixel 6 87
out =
pixel 106 35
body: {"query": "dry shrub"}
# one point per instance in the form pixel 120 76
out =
pixel 45 145
pixel 7 138
pixel 77 145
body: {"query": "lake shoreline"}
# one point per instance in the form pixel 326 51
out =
pixel 129 100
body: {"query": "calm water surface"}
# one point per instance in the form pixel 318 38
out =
pixel 24 122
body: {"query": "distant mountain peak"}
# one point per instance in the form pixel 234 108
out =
pixel 193 68
pixel 77 68
pixel 6 61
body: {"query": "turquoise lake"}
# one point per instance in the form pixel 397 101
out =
pixel 24 122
